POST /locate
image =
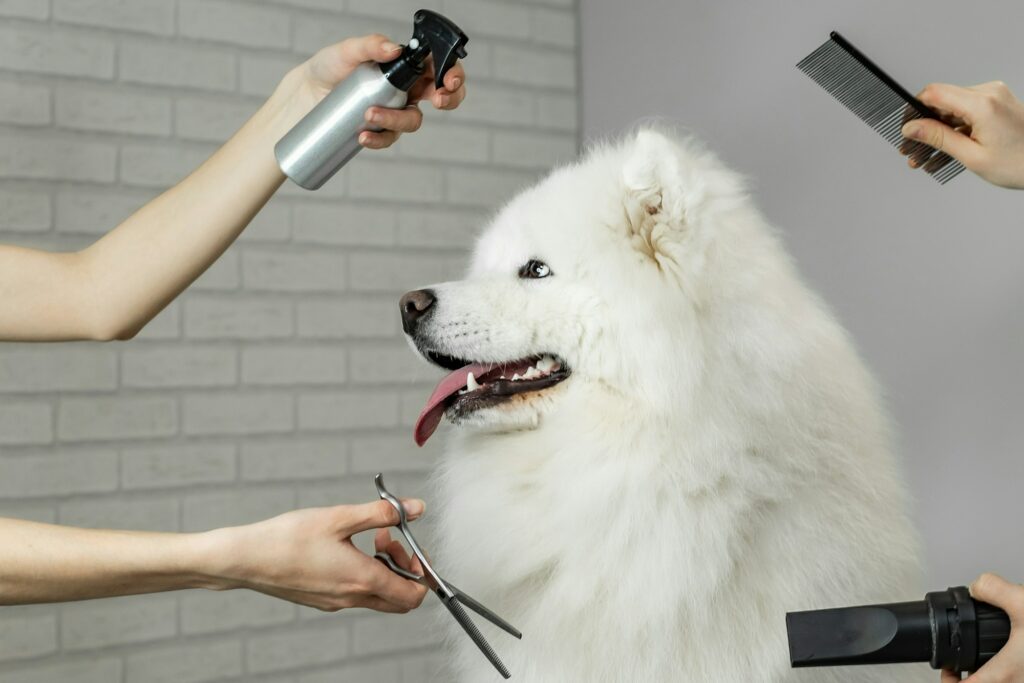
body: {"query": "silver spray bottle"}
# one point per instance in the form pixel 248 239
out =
pixel 324 141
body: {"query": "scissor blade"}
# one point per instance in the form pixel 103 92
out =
pixel 486 613
pixel 474 633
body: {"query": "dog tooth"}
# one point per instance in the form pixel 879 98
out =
pixel 532 373
pixel 516 377
pixel 545 364
pixel 471 383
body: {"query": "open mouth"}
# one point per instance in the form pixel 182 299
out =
pixel 475 385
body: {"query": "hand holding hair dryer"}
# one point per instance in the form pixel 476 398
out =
pixel 328 137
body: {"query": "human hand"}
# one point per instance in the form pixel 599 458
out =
pixel 307 557
pixel 1008 665
pixel 311 81
pixel 985 129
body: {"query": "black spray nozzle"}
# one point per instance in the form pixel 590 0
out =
pixel 948 629
pixel 432 34
pixel 446 40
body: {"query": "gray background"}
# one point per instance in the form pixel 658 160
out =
pixel 929 279
pixel 280 379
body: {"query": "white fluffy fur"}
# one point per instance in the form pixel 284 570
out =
pixel 718 457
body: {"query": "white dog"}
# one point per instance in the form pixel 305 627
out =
pixel 664 440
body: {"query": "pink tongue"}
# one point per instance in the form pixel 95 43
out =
pixel 446 388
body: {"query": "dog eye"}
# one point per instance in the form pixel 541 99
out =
pixel 534 270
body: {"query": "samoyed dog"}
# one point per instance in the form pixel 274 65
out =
pixel 663 441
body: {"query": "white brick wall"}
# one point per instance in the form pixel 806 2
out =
pixel 280 379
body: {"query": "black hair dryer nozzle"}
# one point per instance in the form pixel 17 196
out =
pixel 948 629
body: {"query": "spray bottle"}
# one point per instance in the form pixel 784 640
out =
pixel 324 141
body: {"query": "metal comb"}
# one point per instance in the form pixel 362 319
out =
pixel 861 86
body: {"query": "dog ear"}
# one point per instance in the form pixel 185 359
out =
pixel 654 192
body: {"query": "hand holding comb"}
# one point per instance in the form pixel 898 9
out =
pixel 861 86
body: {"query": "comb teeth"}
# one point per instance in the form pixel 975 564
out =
pixel 876 99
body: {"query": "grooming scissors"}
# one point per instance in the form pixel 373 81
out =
pixel 450 596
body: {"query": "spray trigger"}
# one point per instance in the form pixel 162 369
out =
pixel 432 34
pixel 445 40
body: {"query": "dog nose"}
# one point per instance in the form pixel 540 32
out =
pixel 414 305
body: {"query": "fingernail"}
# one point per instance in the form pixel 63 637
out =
pixel 373 117
pixel 456 82
pixel 443 99
pixel 912 130
pixel 414 507
pixel 390 47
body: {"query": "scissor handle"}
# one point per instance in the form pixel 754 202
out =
pixel 390 563
pixel 434 580
pixel 452 597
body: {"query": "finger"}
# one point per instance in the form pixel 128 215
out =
pixel 1000 669
pixel 406 120
pixel 414 508
pixel 905 146
pixel 385 584
pixel 993 88
pixel 949 677
pixel 378 139
pixel 418 593
pixel 398 553
pixel 454 90
pixel 416 566
pixel 951 100
pixel 334 62
pixel 455 78
pixel 383 543
pixel 941 137
pixel 443 99
pixel 380 605
pixel 372 48
pixel 381 540
pixel 448 97
pixel 996 590
pixel 378 515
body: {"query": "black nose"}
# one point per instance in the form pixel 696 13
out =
pixel 414 305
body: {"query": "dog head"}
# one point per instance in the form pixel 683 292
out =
pixel 596 278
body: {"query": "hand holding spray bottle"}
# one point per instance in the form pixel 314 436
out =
pixel 328 137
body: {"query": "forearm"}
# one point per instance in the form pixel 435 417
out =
pixel 111 289
pixel 48 563
pixel 134 271
pixel 305 556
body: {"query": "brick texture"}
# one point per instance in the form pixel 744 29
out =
pixel 280 379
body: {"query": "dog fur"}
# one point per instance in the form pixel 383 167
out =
pixel 719 455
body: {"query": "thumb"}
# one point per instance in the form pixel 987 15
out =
pixel 332 64
pixel 379 515
pixel 943 138
pixel 996 590
pixel 374 47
